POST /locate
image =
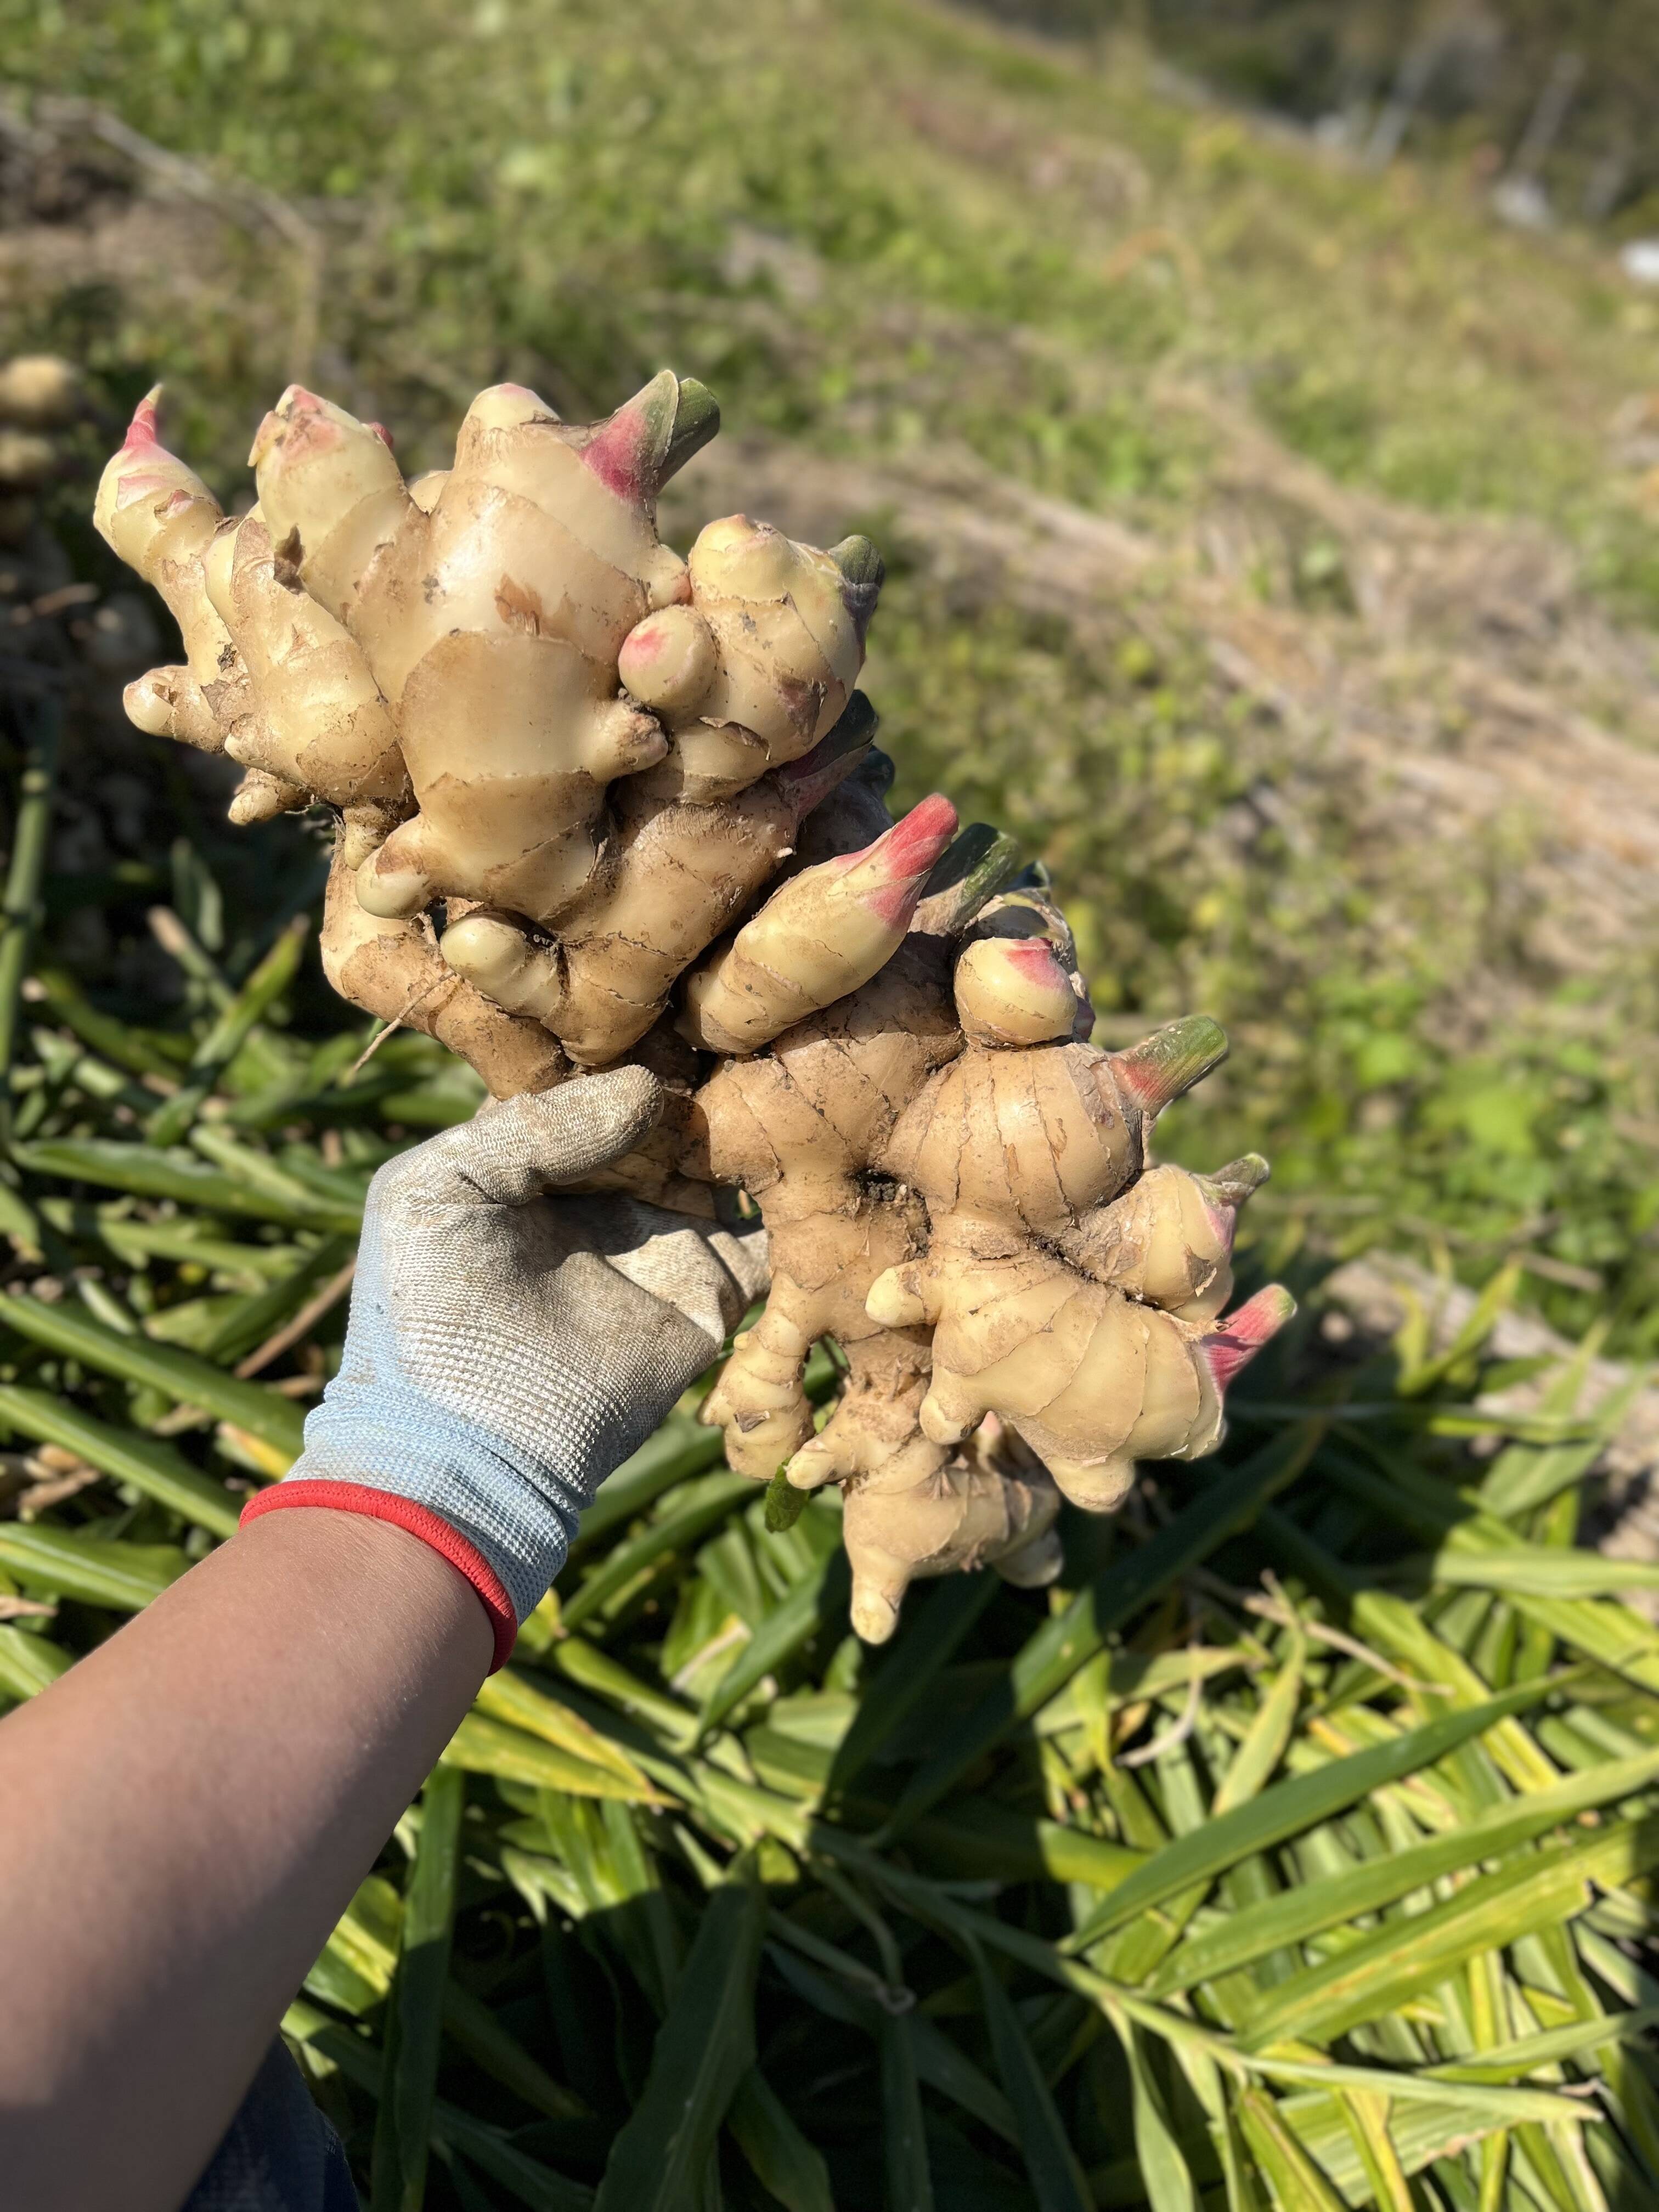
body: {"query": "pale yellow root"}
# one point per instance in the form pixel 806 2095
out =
pixel 393 969
pixel 872 1433
pixel 519 588
pixel 672 878
pixel 1017 1153
pixel 168 702
pixel 1014 992
pixel 1168 1239
pixel 160 518
pixel 759 1400
pixel 695 841
pixel 823 1265
pixel 818 939
pixel 317 720
pixel 1028 1143
pixel 1013 1000
pixel 912 1508
pixel 1091 1379
pixel 271 679
pixel 529 577
pixel 798 1127
pixel 1087 1378
pixel 261 797
pixel 760 664
pixel 990 1505
pixel 614 755
pixel 1025 1142
pixel 342 637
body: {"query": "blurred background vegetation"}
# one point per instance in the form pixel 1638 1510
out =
pixel 1573 82
pixel 1271 525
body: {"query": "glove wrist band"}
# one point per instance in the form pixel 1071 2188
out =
pixel 419 1521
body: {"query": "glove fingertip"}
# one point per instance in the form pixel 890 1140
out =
pixel 515 1149
pixel 628 1101
pixel 745 1255
pixel 591 1119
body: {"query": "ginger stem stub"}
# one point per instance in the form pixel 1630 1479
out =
pixel 597 801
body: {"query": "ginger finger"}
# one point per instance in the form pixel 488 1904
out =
pixel 272 680
pixel 538 557
pixel 818 939
pixel 321 725
pixel 169 702
pixel 1013 992
pixel 1168 1239
pixel 762 662
pixel 260 797
pixel 393 969
pixel 1091 1379
pixel 1017 1154
pixel 160 518
pixel 969 1514
pixel 672 876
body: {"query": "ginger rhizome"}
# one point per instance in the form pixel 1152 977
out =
pixel 596 801
pixel 269 677
pixel 1093 1338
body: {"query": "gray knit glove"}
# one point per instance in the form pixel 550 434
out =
pixel 507 1349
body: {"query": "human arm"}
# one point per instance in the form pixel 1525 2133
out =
pixel 184 1815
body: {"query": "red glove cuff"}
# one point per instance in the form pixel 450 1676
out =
pixel 403 1513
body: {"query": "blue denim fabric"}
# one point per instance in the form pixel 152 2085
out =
pixel 279 2154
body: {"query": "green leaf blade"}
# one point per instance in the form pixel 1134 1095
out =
pixel 703 2049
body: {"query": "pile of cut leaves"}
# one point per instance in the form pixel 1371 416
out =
pixel 1295 1853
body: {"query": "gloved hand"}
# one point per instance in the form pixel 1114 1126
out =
pixel 507 1349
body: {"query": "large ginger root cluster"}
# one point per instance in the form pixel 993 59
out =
pixel 595 801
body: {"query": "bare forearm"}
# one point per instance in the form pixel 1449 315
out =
pixel 182 1820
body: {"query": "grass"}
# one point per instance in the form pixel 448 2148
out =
pixel 1296 1851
